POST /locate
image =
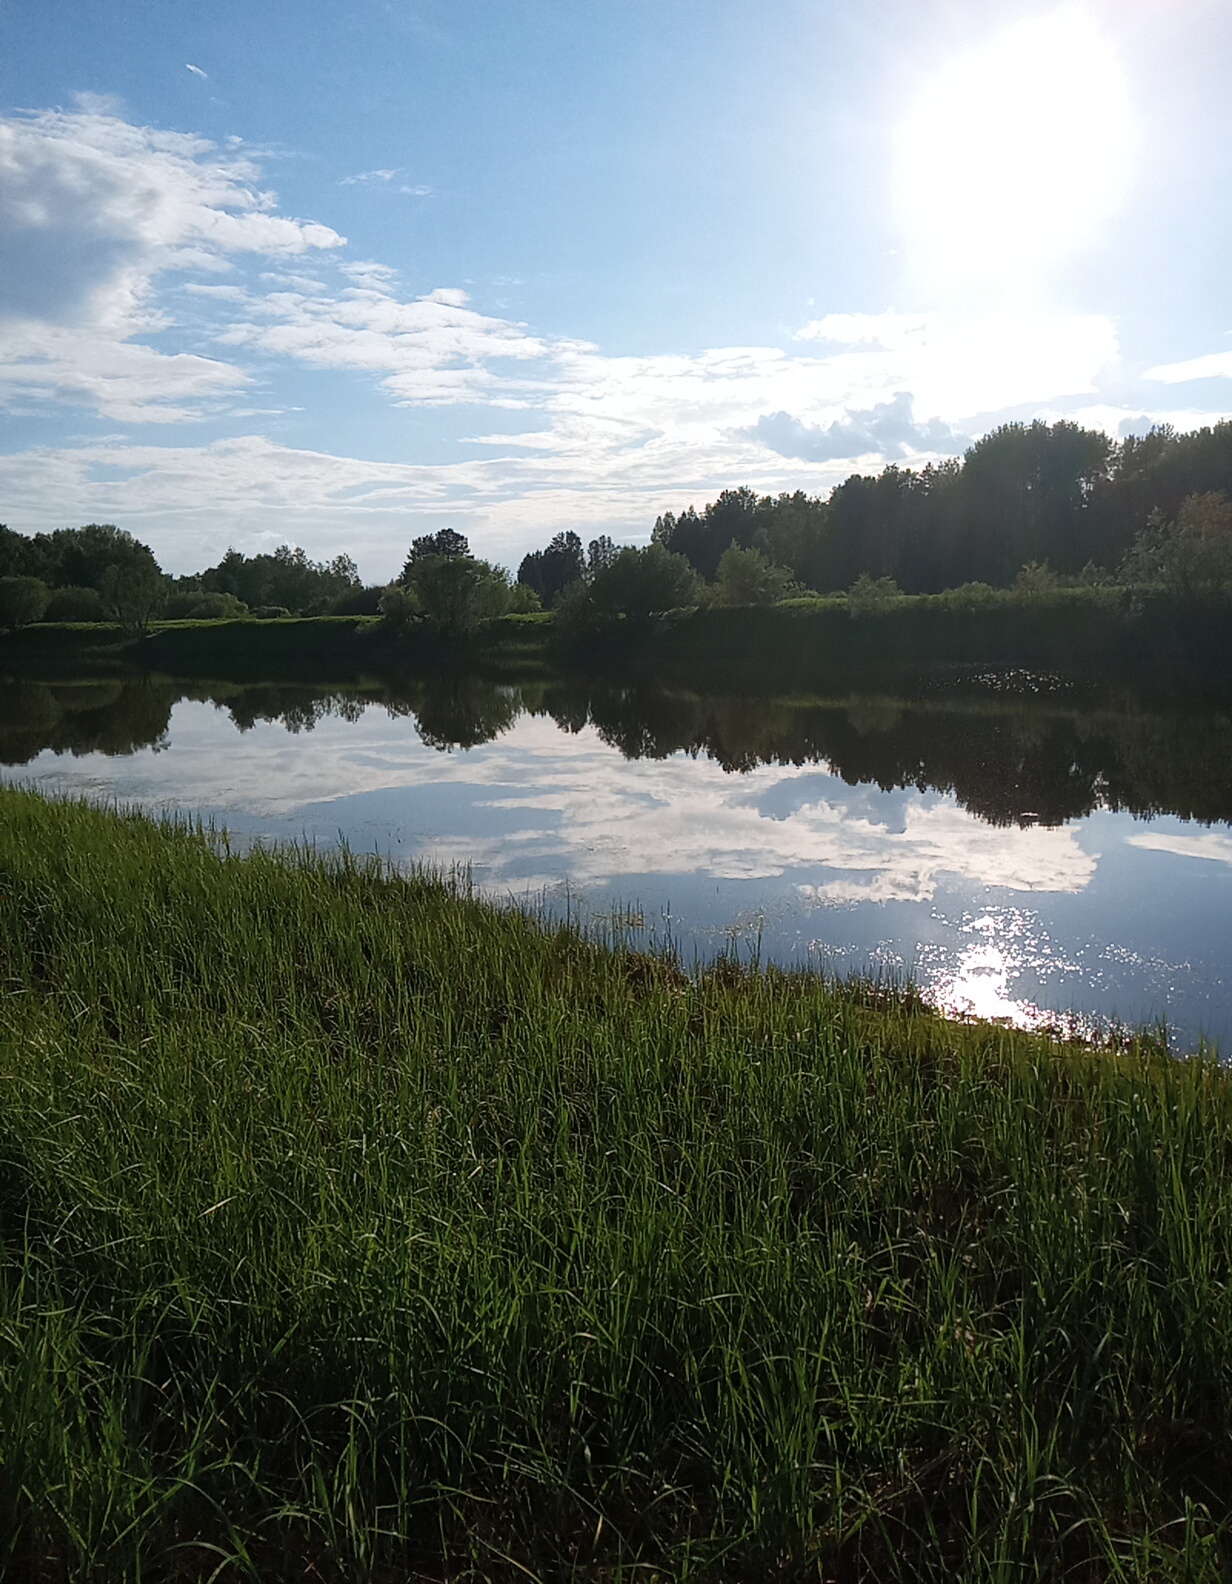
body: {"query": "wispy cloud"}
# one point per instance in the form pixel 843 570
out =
pixel 386 179
pixel 1215 365
pixel 196 71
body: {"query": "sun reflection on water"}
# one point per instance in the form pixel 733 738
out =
pixel 980 982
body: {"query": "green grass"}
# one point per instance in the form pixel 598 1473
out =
pixel 354 1229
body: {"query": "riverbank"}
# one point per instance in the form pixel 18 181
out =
pixel 1096 635
pixel 352 1225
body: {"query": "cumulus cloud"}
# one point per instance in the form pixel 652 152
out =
pixel 887 430
pixel 100 219
pixel 93 210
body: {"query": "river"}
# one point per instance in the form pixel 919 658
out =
pixel 1014 850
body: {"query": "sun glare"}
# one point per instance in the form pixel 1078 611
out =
pixel 1012 156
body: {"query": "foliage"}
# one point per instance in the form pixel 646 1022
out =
pixel 1036 577
pixel 73 557
pixel 731 519
pixel 22 600
pixel 400 605
pixel 201 605
pixel 448 543
pixel 1045 493
pixel 747 577
pixel 523 601
pixel 600 553
pixel 643 582
pixel 359 601
pixel 548 572
pixel 354 1229
pixel 455 594
pixel 75 605
pixel 133 594
pixel 1189 557
pixel 286 577
pixel 868 595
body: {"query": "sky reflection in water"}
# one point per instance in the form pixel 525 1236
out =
pixel 1101 916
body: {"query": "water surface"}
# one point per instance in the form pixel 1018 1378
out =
pixel 1027 857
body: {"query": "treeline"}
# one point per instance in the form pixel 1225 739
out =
pixel 102 573
pixel 1031 505
pixel 1035 495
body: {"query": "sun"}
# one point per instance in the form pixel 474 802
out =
pixel 1015 153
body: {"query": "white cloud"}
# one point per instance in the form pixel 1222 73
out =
pixel 576 808
pixel 887 431
pixel 385 178
pixel 1211 845
pixel 93 210
pixel 95 213
pixel 431 350
pixel 956 366
pixel 1215 365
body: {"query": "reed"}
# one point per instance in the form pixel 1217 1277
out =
pixel 352 1227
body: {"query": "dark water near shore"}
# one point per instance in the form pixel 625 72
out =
pixel 1017 852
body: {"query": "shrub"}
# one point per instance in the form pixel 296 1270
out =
pixel 75 605
pixel 22 601
pixel 202 605
pixel 1036 577
pixel 747 577
pixel 1191 556
pixel 868 595
pixel 645 582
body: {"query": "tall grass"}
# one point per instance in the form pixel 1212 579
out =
pixel 351 1228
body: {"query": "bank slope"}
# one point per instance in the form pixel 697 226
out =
pixel 351 1224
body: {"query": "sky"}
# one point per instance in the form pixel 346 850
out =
pixel 338 273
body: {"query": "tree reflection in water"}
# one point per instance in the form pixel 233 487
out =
pixel 1009 761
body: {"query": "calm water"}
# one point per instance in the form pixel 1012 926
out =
pixel 1019 857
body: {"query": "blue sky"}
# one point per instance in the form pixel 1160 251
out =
pixel 343 273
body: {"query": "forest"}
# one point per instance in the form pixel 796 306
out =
pixel 1031 506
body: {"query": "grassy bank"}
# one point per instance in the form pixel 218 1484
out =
pixel 1096 635
pixel 351 1228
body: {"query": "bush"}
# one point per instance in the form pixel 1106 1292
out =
pixel 201 605
pixel 271 612
pixel 868 595
pixel 645 582
pixel 747 577
pixel 399 606
pixel 1191 556
pixel 523 601
pixel 75 605
pixel 1036 577
pixel 22 601
pixel 456 594
pixel 359 602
